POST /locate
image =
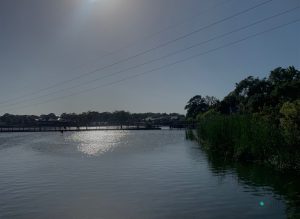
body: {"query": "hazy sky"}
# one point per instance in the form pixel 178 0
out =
pixel 46 42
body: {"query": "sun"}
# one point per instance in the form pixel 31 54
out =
pixel 101 1
pixel 108 6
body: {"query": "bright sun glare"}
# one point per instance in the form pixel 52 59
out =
pixel 104 2
pixel 109 5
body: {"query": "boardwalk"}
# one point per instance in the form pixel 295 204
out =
pixel 74 129
pixel 111 127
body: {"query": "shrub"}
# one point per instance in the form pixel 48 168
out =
pixel 246 138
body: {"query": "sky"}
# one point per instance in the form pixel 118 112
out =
pixel 107 55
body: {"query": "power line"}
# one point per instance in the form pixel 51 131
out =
pixel 163 57
pixel 170 27
pixel 170 64
pixel 162 44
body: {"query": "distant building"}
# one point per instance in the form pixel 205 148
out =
pixel 149 119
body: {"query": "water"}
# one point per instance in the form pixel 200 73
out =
pixel 133 174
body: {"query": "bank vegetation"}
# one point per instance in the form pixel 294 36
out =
pixel 259 121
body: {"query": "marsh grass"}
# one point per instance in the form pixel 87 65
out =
pixel 247 138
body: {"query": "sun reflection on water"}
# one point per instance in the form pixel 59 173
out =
pixel 97 143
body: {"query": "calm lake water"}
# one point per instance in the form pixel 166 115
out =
pixel 134 174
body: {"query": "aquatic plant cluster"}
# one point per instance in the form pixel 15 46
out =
pixel 258 121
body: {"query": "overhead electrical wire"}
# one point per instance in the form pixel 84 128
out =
pixel 184 36
pixel 116 51
pixel 162 57
pixel 170 64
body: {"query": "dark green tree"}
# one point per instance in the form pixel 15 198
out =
pixel 199 104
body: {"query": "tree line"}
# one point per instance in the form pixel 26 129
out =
pixel 258 121
pixel 90 118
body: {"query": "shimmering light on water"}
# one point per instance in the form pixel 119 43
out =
pixel 133 174
pixel 96 143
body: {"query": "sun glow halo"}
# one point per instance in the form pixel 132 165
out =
pixel 105 5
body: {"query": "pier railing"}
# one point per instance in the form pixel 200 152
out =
pixel 100 127
pixel 71 128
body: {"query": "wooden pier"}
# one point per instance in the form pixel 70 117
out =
pixel 100 127
pixel 74 129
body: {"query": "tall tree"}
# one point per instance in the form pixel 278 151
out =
pixel 199 104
